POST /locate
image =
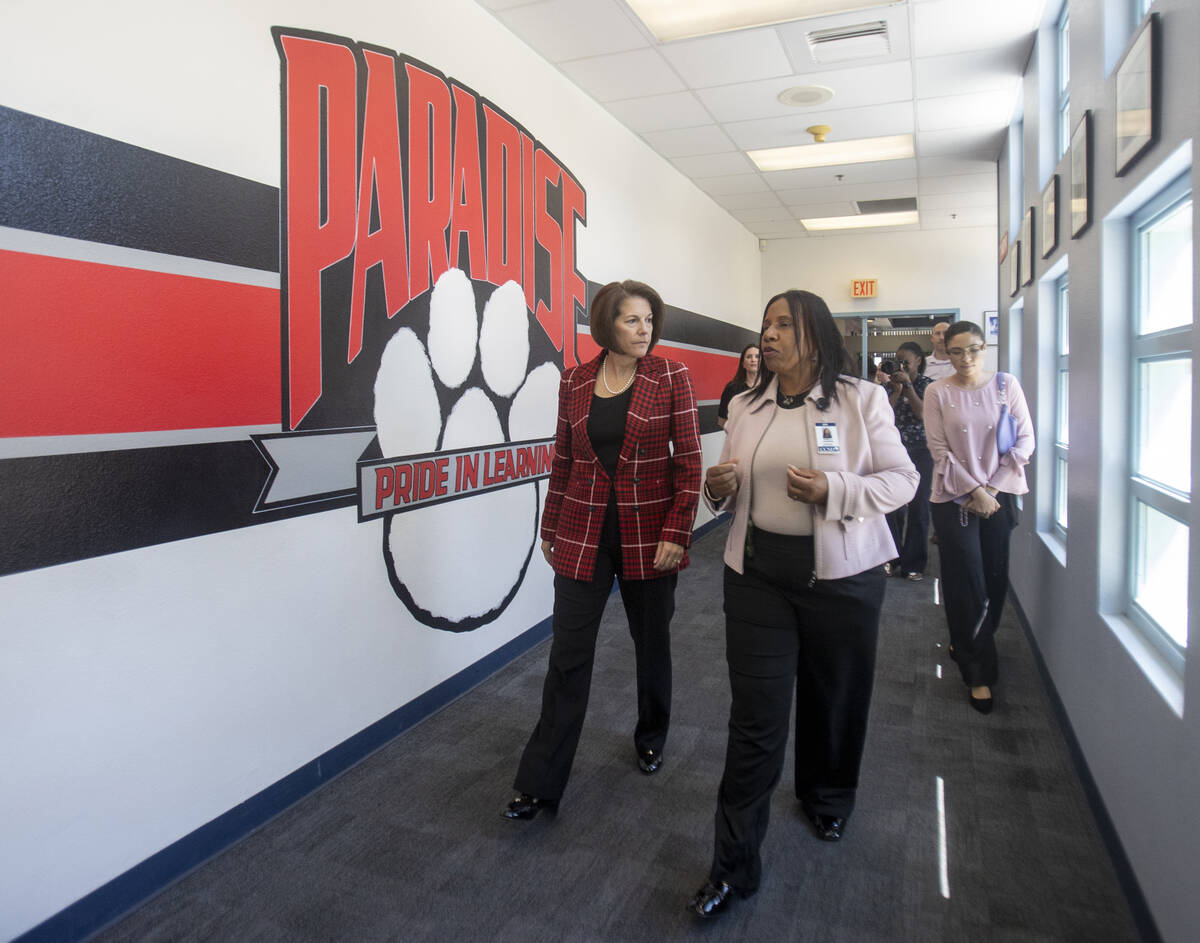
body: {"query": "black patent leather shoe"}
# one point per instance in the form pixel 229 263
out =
pixel 711 900
pixel 526 806
pixel 827 827
pixel 649 761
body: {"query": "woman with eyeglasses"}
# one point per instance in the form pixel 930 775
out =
pixel 976 477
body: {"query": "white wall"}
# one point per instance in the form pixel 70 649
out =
pixel 918 270
pixel 1123 702
pixel 144 693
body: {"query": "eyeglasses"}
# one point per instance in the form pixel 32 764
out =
pixel 974 350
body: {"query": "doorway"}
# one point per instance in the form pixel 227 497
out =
pixel 873 338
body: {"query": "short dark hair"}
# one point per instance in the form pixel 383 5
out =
pixel 606 306
pixel 914 348
pixel 833 360
pixel 965 327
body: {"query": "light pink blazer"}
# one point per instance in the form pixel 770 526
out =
pixel 870 475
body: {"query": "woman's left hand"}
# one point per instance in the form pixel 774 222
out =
pixel 667 556
pixel 807 484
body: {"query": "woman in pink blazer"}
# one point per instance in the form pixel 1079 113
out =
pixel 812 463
pixel 620 502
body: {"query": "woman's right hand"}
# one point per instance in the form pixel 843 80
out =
pixel 548 551
pixel 721 480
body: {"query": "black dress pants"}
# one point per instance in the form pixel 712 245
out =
pixel 578 608
pixel 783 634
pixel 910 524
pixel 974 567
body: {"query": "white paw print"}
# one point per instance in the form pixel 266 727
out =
pixel 473 381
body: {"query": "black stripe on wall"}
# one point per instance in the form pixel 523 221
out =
pixel 63 181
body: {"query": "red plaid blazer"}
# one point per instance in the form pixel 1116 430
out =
pixel 657 479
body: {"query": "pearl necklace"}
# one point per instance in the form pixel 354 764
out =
pixel 624 386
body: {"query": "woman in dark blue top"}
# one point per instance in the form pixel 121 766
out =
pixel 910 525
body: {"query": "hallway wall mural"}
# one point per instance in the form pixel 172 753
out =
pixel 390 325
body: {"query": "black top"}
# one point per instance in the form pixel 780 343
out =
pixel 732 388
pixel 606 427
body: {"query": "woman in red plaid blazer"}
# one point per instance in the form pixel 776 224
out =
pixel 620 503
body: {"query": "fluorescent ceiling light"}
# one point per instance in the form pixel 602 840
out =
pixel 682 19
pixel 864 150
pixel 906 218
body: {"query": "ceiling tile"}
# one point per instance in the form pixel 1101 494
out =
pixel 733 183
pixel 762 214
pixel 956 202
pixel 715 165
pixel 959 183
pixel 623 75
pixel 852 88
pixel 687 142
pixel 508 4
pixel 969 217
pixel 852 174
pixel 941 166
pixel 803 210
pixel 943 27
pixel 967 72
pixel 660 112
pixel 749 201
pixel 572 29
pixel 848 124
pixel 987 109
pixel 883 190
pixel 774 229
pixel 980 143
pixel 741 56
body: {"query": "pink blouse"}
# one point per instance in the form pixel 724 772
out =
pixel 960 427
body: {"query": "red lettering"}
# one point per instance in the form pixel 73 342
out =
pixel 574 208
pixel 380 176
pixel 404 483
pixel 469 471
pixel 466 215
pixel 503 198
pixel 545 458
pixel 530 280
pixel 443 477
pixel 550 235
pixel 315 239
pixel 429 176
pixel 384 481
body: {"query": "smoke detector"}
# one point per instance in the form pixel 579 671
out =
pixel 805 96
pixel 818 131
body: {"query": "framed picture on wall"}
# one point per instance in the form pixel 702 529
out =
pixel 1050 217
pixel 1138 96
pixel 1014 269
pixel 1026 243
pixel 1081 175
pixel 991 327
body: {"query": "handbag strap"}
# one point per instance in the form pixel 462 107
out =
pixel 1003 389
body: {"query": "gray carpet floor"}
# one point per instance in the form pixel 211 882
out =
pixel 409 845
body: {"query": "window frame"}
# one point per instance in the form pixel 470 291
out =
pixel 1062 372
pixel 1173 343
pixel 1063 77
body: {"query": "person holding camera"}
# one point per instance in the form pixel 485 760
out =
pixel 910 524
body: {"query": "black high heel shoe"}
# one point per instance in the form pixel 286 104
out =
pixel 526 806
pixel 982 704
pixel 649 761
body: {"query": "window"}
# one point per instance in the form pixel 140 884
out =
pixel 1064 80
pixel 1140 8
pixel 1160 479
pixel 1061 402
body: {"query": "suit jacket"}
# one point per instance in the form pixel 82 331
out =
pixel 657 481
pixel 869 475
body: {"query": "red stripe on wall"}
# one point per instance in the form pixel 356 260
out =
pixel 710 370
pixel 87 348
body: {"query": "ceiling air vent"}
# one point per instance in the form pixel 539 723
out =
pixel 904 204
pixel 860 41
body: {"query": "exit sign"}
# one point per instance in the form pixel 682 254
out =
pixel 864 288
